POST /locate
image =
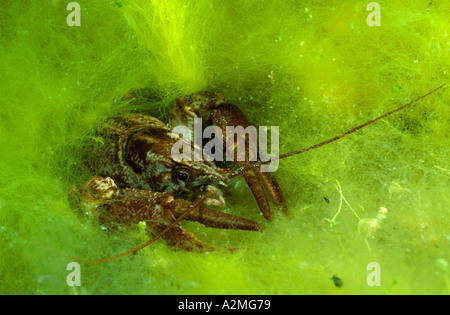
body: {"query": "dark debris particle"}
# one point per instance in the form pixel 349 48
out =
pixel 326 199
pixel 337 281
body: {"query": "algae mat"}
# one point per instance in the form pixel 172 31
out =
pixel 371 209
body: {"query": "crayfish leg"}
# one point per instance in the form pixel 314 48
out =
pixel 228 114
pixel 178 237
pixel 212 218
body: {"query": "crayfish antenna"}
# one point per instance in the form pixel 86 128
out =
pixel 318 145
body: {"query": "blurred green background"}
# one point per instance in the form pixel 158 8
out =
pixel 313 68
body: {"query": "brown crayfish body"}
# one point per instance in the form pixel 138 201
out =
pixel 140 180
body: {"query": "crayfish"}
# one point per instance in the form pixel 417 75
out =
pixel 139 178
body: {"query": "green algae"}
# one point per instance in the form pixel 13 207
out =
pixel 313 69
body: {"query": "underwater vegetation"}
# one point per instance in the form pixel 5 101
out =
pixel 368 214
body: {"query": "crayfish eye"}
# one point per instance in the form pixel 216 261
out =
pixel 183 175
